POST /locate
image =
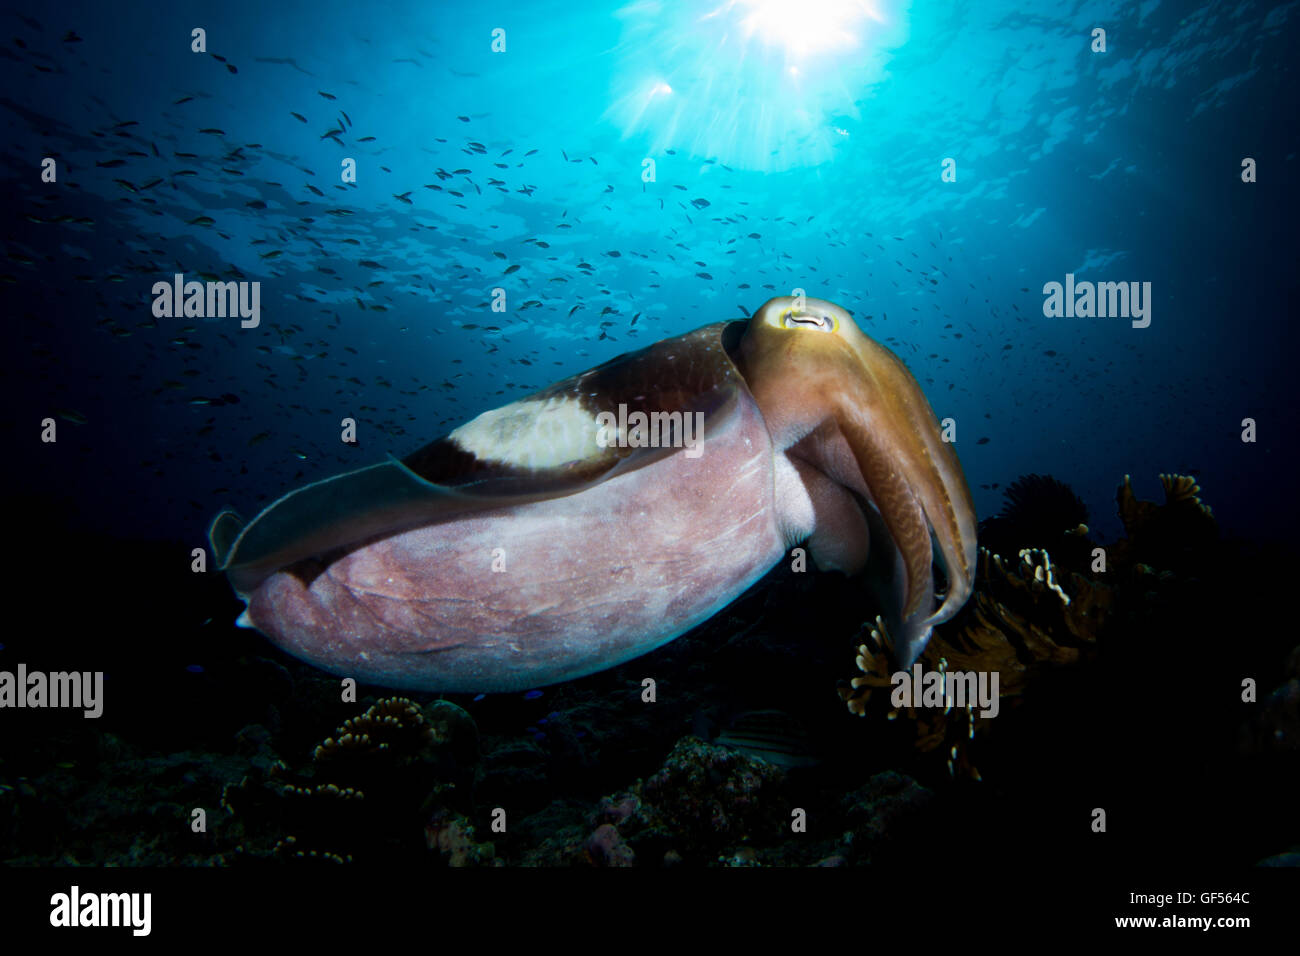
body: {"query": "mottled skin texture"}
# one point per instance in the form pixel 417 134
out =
pixel 590 580
pixel 812 432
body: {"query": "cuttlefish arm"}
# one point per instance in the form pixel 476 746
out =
pixel 839 403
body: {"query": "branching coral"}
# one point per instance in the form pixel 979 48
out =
pixel 367 792
pixel 1029 615
pixel 1172 536
pixel 1040 512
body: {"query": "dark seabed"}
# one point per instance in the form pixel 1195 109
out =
pixel 435 228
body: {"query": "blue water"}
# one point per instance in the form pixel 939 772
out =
pixel 774 168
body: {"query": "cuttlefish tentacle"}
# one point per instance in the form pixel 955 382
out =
pixel 811 432
pixel 809 365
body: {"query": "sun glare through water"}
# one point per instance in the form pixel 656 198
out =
pixel 755 84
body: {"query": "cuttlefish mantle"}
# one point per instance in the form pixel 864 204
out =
pixel 526 547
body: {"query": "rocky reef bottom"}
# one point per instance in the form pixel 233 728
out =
pixel 1123 688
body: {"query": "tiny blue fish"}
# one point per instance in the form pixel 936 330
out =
pixel 532 695
pixel 478 697
pixel 194 668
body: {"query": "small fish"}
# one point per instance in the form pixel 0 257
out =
pixel 194 668
pixel 532 695
pixel 769 735
pixel 258 438
pixel 328 96
pixel 71 415
pixel 298 116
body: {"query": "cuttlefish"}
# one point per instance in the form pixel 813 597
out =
pixel 603 516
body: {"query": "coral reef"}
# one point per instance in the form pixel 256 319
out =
pixel 1114 677
pixel 886 819
pixel 1040 512
pixel 1276 726
pixel 709 795
pixel 1029 616
pixel 1172 536
pixel 367 792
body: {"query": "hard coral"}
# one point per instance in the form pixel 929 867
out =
pixel 1028 615
pixel 1040 512
pixel 366 793
pixel 712 796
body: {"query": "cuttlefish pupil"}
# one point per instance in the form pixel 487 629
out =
pixel 806 320
pixel 518 550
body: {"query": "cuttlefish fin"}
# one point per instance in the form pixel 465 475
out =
pixel 223 532
pixel 345 511
pixel 336 512
pixel 547 445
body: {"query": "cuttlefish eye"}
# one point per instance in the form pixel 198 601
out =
pixel 792 318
